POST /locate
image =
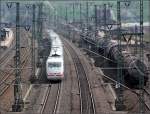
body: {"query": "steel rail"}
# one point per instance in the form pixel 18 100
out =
pixel 3 84
pixel 57 99
pixel 147 94
pixel 47 97
pixel 86 97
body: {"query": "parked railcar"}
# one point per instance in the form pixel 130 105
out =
pixel 9 37
pixel 136 67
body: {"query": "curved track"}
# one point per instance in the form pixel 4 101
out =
pixel 146 102
pixel 86 98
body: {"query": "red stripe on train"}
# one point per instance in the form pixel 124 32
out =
pixel 55 74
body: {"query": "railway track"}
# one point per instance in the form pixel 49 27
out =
pixel 5 85
pixel 3 59
pixel 146 92
pixel 6 57
pixel 51 99
pixel 7 79
pixel 86 98
pixel 147 99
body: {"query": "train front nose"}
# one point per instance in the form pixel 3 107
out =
pixel 55 76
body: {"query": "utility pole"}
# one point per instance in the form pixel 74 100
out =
pixel 39 32
pixel 141 78
pixel 136 41
pixel 105 26
pixel 105 18
pixel 87 14
pixel 87 23
pixel 66 18
pixel 73 8
pixel 119 88
pixel 0 20
pixel 57 18
pixel 49 17
pixel 81 27
pixel 80 15
pixel 96 21
pixel 33 44
pixel 61 18
pixel 141 53
pixel 18 103
pixel 0 13
pixel 54 18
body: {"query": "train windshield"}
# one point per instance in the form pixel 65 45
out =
pixel 54 65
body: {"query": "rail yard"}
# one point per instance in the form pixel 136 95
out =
pixel 74 57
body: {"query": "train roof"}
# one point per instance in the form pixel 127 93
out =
pixel 56 51
pixel 55 39
pixel 55 59
pixel 52 33
pixel 56 42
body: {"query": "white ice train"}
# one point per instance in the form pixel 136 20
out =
pixel 55 61
pixel 7 37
